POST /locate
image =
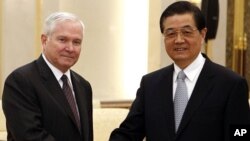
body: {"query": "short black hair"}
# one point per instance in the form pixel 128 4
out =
pixel 182 7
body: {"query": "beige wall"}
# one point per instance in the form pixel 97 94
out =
pixel 1 25
pixel 118 47
pixel 218 48
pixel 17 44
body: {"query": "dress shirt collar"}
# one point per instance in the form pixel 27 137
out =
pixel 58 74
pixel 192 70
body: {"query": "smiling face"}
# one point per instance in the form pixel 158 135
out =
pixel 184 47
pixel 63 46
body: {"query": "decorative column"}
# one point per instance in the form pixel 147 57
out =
pixel 239 39
pixel 247 41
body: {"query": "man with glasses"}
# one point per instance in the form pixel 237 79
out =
pixel 192 99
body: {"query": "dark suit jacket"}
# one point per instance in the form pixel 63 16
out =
pixel 220 98
pixel 37 110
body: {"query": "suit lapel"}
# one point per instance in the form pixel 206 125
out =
pixel 54 88
pixel 166 99
pixel 80 94
pixel 201 90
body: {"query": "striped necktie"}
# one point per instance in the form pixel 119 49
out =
pixel 71 100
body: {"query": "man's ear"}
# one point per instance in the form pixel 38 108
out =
pixel 203 34
pixel 44 39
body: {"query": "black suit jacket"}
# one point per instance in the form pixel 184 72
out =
pixel 219 99
pixel 37 110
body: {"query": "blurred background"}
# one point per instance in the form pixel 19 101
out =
pixel 122 40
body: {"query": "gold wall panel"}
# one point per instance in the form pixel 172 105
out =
pixel 247 31
pixel 238 41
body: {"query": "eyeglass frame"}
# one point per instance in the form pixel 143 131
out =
pixel 183 31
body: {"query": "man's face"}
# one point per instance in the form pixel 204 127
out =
pixel 182 40
pixel 62 48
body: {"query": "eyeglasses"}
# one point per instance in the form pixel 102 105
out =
pixel 184 31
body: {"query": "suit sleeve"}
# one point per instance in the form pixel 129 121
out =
pixel 132 128
pixel 21 109
pixel 237 110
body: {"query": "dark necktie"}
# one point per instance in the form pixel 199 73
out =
pixel 69 95
pixel 181 98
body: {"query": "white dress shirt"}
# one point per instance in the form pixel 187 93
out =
pixel 58 74
pixel 192 73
